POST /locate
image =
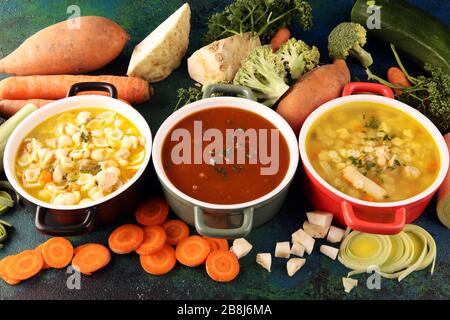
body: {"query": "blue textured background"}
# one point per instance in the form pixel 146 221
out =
pixel 320 278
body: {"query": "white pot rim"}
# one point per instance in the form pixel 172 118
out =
pixel 424 121
pixel 63 105
pixel 232 102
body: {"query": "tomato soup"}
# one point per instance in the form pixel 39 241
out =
pixel 211 156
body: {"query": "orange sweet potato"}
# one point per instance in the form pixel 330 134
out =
pixel 318 86
pixel 64 49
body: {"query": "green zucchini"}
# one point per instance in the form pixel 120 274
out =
pixel 413 31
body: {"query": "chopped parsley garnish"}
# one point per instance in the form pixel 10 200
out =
pixel 221 170
pixel 92 169
pixel 356 162
pixel 370 165
pixel 372 123
pixel 84 137
pixel 388 137
pixel 395 165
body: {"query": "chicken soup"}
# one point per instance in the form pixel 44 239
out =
pixel 373 152
pixel 79 156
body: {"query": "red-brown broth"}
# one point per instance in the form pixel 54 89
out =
pixel 224 183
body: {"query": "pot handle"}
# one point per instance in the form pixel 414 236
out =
pixel 228 89
pixel 64 231
pixel 360 87
pixel 239 232
pixel 93 86
pixel 358 224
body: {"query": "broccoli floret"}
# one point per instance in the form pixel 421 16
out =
pixel 264 73
pixel 346 39
pixel 298 57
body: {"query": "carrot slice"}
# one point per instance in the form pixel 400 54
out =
pixel 217 243
pixel 92 257
pixel 222 266
pixel 152 212
pixel 45 177
pixel 25 265
pixel 159 263
pixel 4 263
pixel 81 246
pixel 154 240
pixel 192 251
pixel 45 266
pixel 176 231
pixel 126 239
pixel 57 252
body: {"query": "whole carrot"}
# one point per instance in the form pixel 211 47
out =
pixel 133 90
pixel 397 78
pixel 280 38
pixel 8 108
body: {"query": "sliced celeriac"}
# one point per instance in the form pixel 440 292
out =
pixel 304 239
pixel 264 260
pixel 330 252
pixel 335 234
pixel 241 247
pixel 349 284
pixel 220 60
pixel 293 265
pixel 297 249
pixel 315 230
pixel 283 250
pixel 361 182
pixel 320 218
pixel 162 51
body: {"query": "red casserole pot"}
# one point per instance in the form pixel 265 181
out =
pixel 366 216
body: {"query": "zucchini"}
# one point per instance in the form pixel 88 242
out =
pixel 413 31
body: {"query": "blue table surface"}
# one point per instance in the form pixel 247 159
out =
pixel 320 278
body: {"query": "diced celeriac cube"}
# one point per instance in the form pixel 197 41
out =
pixel 314 230
pixel 241 247
pixel 330 252
pixel 297 249
pixel 349 284
pixel 304 239
pixel 335 234
pixel 293 265
pixel 264 260
pixel 320 218
pixel 283 250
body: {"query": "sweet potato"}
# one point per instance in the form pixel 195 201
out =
pixel 64 49
pixel 318 86
pixel 133 90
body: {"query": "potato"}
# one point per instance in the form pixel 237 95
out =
pixel 220 60
pixel 62 49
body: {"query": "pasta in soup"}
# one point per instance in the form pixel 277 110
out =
pixel 79 156
pixel 373 152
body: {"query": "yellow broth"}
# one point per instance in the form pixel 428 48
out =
pixel 79 156
pixel 373 152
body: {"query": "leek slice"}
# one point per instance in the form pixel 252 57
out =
pixel 397 256
pixel 359 250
